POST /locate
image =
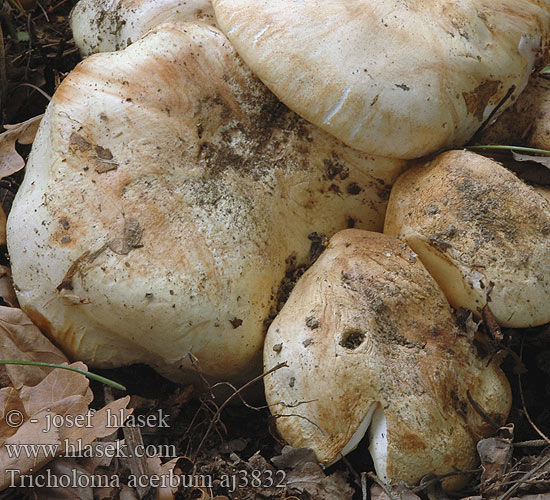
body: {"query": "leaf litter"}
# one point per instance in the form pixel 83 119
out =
pixel 241 441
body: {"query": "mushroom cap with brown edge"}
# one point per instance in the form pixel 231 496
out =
pixel 167 194
pixel 395 78
pixel 109 25
pixel 367 333
pixel 480 231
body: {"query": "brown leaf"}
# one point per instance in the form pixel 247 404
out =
pixel 45 443
pixel 131 237
pixel 495 454
pixel 155 467
pixel 292 457
pixel 20 339
pixel 398 492
pixel 10 160
pixel 103 422
pixel 127 493
pixel 58 386
pixel 306 475
pixel 542 160
pixel 7 293
pixel 3 221
pixel 80 488
pixel 10 407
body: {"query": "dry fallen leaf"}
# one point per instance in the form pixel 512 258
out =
pixel 398 492
pixel 306 475
pixel 20 339
pixel 3 220
pixel 10 160
pixel 495 454
pixel 46 412
pixel 7 293
pixel 542 160
pixel 28 450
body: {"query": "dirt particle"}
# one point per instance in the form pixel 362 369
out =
pixel 353 188
pixel 312 322
pixel 236 322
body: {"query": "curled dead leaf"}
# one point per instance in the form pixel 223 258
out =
pixel 7 293
pixel 3 220
pixel 24 132
pixel 20 339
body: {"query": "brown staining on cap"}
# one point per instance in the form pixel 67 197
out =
pixel 478 99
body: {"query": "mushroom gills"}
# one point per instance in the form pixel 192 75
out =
pixel 378 447
pixel 357 435
pixel 375 423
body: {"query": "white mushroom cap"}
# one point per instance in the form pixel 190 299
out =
pixel 479 230
pixel 166 196
pixel 367 334
pixel 396 78
pixel 109 25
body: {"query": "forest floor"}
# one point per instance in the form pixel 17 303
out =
pixel 239 441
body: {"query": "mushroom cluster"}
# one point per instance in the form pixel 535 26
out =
pixel 171 195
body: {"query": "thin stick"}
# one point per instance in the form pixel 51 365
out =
pixel 481 411
pixel 529 419
pixel 38 89
pixel 521 480
pixel 216 417
pixel 534 443
pixel 382 485
pixel 88 374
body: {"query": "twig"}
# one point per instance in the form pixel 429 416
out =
pixel 382 485
pixel 352 470
pixel 529 419
pixel 534 443
pixel 481 411
pixel 428 481
pixel 216 417
pixel 523 479
pixel 47 96
pixel 43 10
pixel 495 111
pixel 364 489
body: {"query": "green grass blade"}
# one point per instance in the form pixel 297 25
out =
pixel 90 375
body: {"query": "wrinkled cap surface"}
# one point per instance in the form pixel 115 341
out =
pixel 109 25
pixel 367 333
pixel 167 195
pixel 480 231
pixel 396 78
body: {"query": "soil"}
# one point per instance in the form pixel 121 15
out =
pixel 242 437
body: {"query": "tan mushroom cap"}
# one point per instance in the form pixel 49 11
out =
pixel 478 229
pixel 167 194
pixel 367 333
pixel 109 25
pixel 396 78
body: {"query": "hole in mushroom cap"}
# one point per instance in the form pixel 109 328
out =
pixel 352 339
